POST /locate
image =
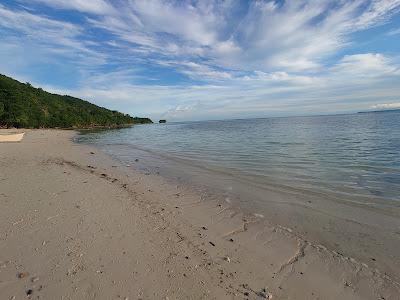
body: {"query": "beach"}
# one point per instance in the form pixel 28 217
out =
pixel 76 224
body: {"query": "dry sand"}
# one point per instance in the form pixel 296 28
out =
pixel 74 224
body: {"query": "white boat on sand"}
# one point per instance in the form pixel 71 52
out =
pixel 13 137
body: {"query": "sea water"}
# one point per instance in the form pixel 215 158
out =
pixel 347 156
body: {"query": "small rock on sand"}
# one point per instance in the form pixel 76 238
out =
pixel 22 275
pixel 265 294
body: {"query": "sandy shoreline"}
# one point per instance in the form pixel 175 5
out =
pixel 75 224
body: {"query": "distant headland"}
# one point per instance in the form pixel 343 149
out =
pixel 379 111
pixel 24 106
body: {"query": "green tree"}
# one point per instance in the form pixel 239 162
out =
pixel 22 105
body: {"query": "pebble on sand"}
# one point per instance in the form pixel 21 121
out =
pixel 265 294
pixel 22 275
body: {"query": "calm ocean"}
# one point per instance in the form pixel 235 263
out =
pixel 353 156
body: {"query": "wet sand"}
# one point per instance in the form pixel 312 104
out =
pixel 75 224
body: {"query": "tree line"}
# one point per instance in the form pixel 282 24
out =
pixel 24 106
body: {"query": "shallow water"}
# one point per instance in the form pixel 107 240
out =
pixel 347 156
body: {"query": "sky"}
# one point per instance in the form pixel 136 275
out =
pixel 201 60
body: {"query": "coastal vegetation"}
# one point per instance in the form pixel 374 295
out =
pixel 24 106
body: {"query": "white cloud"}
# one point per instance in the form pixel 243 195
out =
pixel 266 36
pixel 197 24
pixel 378 11
pixel 394 32
pixel 339 89
pixel 47 36
pixel 89 6
pixel 365 65
pixel 291 36
pixel 386 106
pixel 301 34
pixel 28 23
pixel 197 71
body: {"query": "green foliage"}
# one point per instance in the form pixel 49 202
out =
pixel 24 106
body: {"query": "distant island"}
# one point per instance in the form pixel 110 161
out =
pixel 24 106
pixel 380 111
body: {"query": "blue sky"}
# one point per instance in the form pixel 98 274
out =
pixel 196 60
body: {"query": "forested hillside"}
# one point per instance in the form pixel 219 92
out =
pixel 24 106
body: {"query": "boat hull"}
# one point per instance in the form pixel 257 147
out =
pixel 12 137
